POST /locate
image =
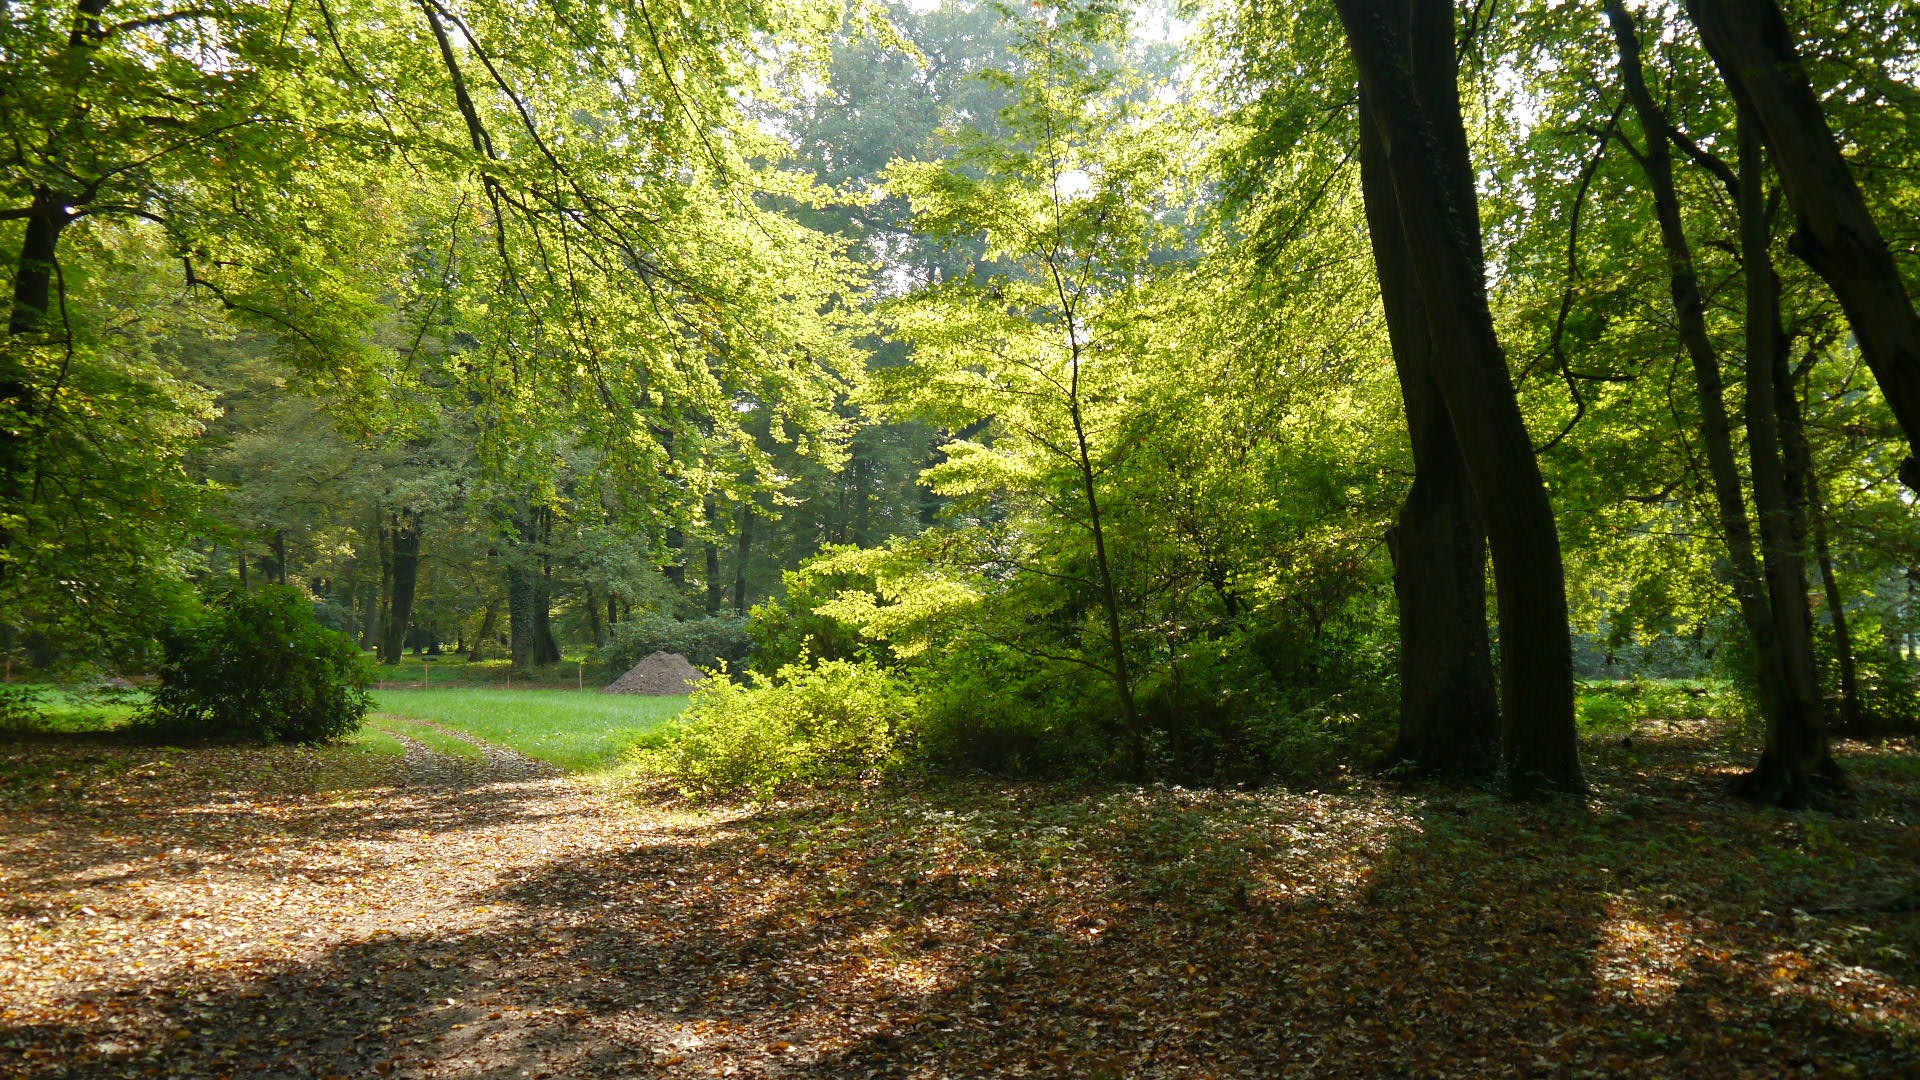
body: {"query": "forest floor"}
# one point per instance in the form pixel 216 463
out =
pixel 335 912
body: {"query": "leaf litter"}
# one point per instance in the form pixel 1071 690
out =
pixel 322 912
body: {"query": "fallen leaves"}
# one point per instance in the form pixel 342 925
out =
pixel 321 911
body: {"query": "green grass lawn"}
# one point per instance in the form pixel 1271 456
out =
pixel 573 730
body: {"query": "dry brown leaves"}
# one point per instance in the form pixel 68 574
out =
pixel 321 913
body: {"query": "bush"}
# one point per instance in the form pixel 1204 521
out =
pixel 836 721
pixel 262 668
pixel 707 642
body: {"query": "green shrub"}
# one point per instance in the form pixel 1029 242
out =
pixel 260 668
pixel 707 642
pixel 836 721
pixel 1603 713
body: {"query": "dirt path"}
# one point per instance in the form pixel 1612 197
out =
pixel 319 913
pixel 303 913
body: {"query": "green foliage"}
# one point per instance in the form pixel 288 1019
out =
pixel 259 668
pixel 709 642
pixel 833 722
pixel 1613 707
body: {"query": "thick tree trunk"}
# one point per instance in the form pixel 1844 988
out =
pixel 1837 235
pixel 48 214
pixel 404 529
pixel 546 649
pixel 520 605
pixel 1796 765
pixel 1432 186
pixel 676 566
pixel 1449 711
pixel 593 620
pixel 530 591
pixel 280 556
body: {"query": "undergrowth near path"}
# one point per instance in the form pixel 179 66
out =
pixel 340 912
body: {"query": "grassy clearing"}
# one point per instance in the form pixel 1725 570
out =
pixel 376 740
pixel 572 730
pixel 452 671
pixel 66 711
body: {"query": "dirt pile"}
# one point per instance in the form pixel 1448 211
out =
pixel 661 673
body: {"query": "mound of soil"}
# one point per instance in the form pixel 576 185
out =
pixel 661 673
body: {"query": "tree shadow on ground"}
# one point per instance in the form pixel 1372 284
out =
pixel 1010 930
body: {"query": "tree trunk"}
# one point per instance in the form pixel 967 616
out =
pixel 1438 208
pixel 593 620
pixel 1449 712
pixel 520 605
pixel 371 592
pixel 1851 717
pixel 280 556
pixel 1837 235
pixel 404 529
pixel 386 584
pixel 477 648
pixel 48 214
pixel 1796 765
pixel 546 650
pixel 1716 427
pixel 716 589
pixel 676 567
pixel 740 556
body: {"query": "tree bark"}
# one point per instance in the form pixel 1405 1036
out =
pixel 1716 427
pixel 477 648
pixel 1851 718
pixel 1837 235
pixel 1797 765
pixel 34 276
pixel 530 591
pixel 593 620
pixel 1433 191
pixel 404 531
pixel 716 588
pixel 1449 711
pixel 745 550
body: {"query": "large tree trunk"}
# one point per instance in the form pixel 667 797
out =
pixel 1837 235
pixel 530 591
pixel 1449 711
pixel 546 649
pixel 48 214
pixel 520 626
pixel 1438 208
pixel 1797 764
pixel 404 531
pixel 676 565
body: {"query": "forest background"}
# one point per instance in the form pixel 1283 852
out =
pixel 1045 389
